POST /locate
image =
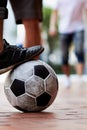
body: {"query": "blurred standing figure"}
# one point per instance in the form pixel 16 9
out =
pixel 29 13
pixel 71 30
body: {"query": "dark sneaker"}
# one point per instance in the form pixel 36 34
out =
pixel 13 55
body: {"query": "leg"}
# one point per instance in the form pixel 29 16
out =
pixel 66 70
pixel 1 35
pixel 65 40
pixel 30 16
pixel 32 32
pixel 3 15
pixel 80 68
pixel 12 55
pixel 79 51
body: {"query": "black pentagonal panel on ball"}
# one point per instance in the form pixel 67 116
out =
pixel 41 71
pixel 17 87
pixel 43 99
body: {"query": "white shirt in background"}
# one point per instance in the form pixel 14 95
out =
pixel 70 14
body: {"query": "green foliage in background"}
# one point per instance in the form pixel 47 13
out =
pixel 46 18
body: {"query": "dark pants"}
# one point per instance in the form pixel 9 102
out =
pixel 65 41
pixel 3 9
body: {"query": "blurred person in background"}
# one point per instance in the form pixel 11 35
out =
pixel 13 55
pixel 69 17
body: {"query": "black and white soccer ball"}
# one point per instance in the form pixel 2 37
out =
pixel 31 86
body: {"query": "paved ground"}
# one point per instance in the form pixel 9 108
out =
pixel 68 112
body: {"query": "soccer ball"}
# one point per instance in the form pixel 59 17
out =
pixel 31 86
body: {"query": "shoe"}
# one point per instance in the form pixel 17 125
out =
pixel 13 55
pixel 79 80
pixel 67 82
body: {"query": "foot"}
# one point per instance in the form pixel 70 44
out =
pixel 67 82
pixel 13 55
pixel 79 80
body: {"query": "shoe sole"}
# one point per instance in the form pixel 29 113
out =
pixel 12 66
